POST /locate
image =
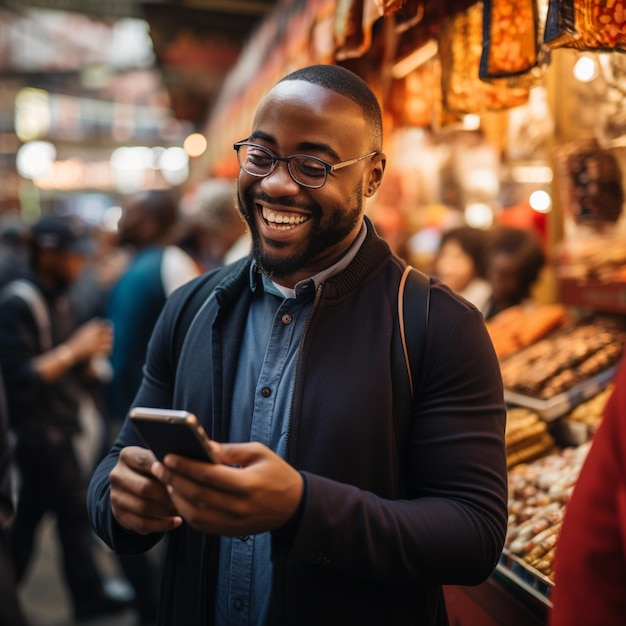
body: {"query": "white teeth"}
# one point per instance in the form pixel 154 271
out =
pixel 283 221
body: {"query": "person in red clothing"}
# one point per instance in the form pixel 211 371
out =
pixel 590 558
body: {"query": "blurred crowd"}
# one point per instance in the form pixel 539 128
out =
pixel 77 307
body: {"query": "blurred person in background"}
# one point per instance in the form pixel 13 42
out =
pixel 11 613
pixel 215 234
pixel 46 363
pixel 89 295
pixel 155 269
pixel 13 252
pixel 87 298
pixel 590 558
pixel 514 259
pixel 460 264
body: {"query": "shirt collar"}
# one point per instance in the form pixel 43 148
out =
pixel 308 285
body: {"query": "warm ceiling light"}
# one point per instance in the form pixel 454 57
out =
pixel 195 144
pixel 540 201
pixel 585 69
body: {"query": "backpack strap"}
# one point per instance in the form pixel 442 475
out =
pixel 410 340
pixel 34 300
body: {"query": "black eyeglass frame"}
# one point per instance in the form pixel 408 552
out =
pixel 328 167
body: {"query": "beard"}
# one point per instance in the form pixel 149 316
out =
pixel 327 230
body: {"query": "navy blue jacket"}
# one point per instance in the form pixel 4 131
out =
pixel 393 510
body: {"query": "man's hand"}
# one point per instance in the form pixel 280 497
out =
pixel 94 337
pixel 249 490
pixel 138 500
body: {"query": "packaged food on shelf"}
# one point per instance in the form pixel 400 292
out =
pixel 594 257
pixel 538 494
pixel 568 366
pixel 590 412
pixel 591 268
pixel 526 436
pixel 522 325
pixel 581 423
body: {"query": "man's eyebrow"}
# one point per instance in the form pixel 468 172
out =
pixel 257 134
pixel 303 148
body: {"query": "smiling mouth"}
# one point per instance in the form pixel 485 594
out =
pixel 283 221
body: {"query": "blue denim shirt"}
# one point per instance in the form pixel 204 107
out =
pixel 261 412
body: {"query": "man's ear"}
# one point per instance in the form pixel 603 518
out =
pixel 375 175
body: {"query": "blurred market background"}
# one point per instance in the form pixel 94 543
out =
pixel 100 99
pixel 496 112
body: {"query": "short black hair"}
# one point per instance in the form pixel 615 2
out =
pixel 348 84
pixel 524 246
pixel 161 205
pixel 472 241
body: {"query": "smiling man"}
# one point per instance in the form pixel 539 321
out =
pixel 324 507
pixel 305 210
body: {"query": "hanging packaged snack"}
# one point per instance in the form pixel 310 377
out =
pixel 460 50
pixel 604 25
pixel 593 25
pixel 513 41
pixel 561 24
pixel 592 182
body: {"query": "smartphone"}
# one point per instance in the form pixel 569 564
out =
pixel 170 431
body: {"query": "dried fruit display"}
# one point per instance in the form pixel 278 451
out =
pixel 538 494
pixel 520 326
pixel 590 411
pixel 563 359
pixel 526 436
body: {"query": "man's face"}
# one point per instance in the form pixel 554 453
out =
pixel 504 275
pixel 74 264
pixel 62 267
pixel 297 231
pixel 454 266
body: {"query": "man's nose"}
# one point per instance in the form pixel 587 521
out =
pixel 279 181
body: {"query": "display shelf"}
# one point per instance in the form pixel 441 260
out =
pixel 599 296
pixel 530 579
pixel 562 403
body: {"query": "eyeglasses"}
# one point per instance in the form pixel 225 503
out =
pixel 306 170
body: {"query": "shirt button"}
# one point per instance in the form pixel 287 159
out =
pixel 286 319
pixel 266 392
pixel 238 605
